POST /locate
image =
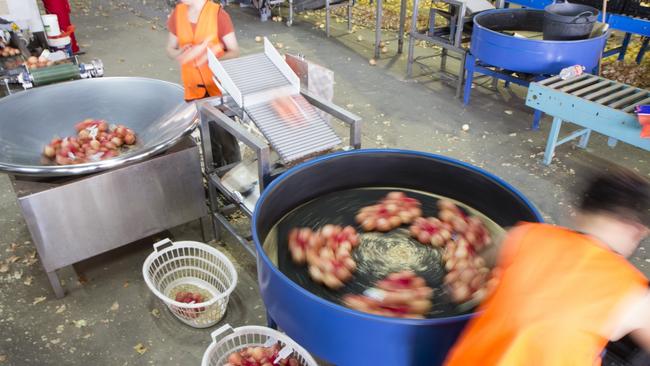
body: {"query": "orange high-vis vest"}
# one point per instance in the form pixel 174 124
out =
pixel 555 304
pixel 197 80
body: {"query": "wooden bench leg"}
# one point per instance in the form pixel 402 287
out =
pixel 552 140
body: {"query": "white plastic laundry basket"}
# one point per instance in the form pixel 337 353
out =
pixel 251 336
pixel 174 266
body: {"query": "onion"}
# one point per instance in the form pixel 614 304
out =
pixel 330 280
pixel 460 293
pixel 129 139
pixel 369 224
pixel 424 237
pixel 383 225
pixel 395 221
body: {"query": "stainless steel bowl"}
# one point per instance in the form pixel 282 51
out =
pixel 154 109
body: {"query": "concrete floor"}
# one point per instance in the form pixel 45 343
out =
pixel 108 309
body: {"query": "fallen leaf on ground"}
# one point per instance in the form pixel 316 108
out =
pixel 60 309
pixel 80 323
pixel 140 348
pixel 55 341
pixel 508 112
pixel 3 358
pixel 82 279
pixel 4 268
pixel 115 306
pixel 18 275
pixel 28 281
pixel 59 329
pixel 13 259
pixel 12 247
pixel 87 336
pixel 126 284
pixel 156 313
pixel 38 299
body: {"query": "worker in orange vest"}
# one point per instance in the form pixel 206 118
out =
pixel 194 27
pixel 564 294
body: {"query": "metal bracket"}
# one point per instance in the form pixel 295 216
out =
pixel 344 115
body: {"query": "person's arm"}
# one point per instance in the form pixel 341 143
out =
pixel 173 51
pixel 635 319
pixel 231 46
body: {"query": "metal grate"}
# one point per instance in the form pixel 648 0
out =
pixel 255 73
pixel 296 136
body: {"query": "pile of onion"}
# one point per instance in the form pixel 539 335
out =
pixel 190 298
pixel 327 253
pixel 462 238
pixel 399 295
pixel 95 140
pixel 390 213
pixel 260 356
pixel 34 62
pixel 9 51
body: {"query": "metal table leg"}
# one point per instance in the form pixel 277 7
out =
pixel 626 42
pixel 537 117
pixel 402 21
pixel 642 51
pixel 552 140
pixel 290 21
pixel 56 284
pixel 350 4
pixel 414 29
pixel 378 16
pixel 327 17
pixel 470 64
pixel 461 75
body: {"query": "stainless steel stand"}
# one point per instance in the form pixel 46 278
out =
pixel 449 38
pixel 223 112
pixel 73 219
pixel 328 8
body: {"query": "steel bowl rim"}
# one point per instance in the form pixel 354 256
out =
pixel 501 35
pixel 351 312
pixel 86 168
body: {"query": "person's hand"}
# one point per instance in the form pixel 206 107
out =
pixel 195 53
pixel 203 58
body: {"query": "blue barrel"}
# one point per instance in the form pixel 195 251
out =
pixel 532 56
pixel 347 337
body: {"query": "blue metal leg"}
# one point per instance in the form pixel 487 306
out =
pixel 537 117
pixel 584 140
pixel 552 140
pixel 626 42
pixel 270 322
pixel 470 63
pixel 644 47
pixel 507 84
pixel 611 142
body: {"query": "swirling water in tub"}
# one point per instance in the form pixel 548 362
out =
pixel 378 254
